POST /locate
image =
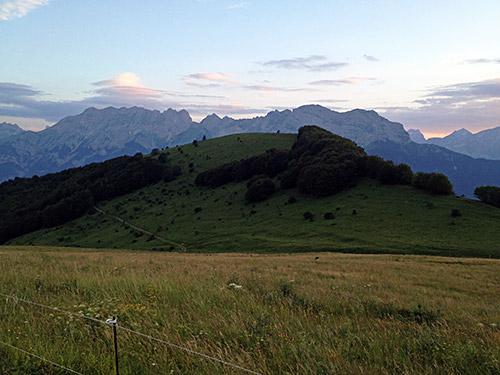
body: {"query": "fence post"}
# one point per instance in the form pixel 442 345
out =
pixel 116 347
pixel 113 323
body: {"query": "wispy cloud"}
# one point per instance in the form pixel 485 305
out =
pixel 215 79
pixel 471 105
pixel 340 82
pixel 489 89
pixel 331 101
pixel 370 58
pixel 223 109
pixel 240 5
pixel 483 61
pixel 128 85
pixel 313 63
pixel 266 87
pixel 10 9
pixel 10 91
pixel 17 100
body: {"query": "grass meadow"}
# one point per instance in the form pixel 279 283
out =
pixel 312 313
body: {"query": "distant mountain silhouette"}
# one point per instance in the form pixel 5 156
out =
pixel 485 144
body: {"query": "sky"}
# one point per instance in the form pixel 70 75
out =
pixel 431 65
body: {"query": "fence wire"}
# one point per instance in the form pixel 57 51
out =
pixel 127 330
pixel 40 358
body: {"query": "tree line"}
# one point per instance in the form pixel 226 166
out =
pixel 29 204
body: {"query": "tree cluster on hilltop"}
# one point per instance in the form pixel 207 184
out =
pixel 320 164
pixel 29 204
pixel 488 194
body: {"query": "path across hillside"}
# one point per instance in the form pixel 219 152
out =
pixel 181 246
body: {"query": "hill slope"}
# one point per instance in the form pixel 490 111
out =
pixel 368 218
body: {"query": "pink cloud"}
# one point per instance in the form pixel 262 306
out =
pixel 198 79
pixel 339 82
pixel 124 79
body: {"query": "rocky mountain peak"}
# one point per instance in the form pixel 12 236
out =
pixel 8 130
pixel 416 136
pixel 461 132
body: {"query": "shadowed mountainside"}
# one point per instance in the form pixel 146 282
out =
pixel 485 144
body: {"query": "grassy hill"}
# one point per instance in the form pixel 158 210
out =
pixel 369 218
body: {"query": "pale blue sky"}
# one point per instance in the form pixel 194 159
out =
pixel 433 65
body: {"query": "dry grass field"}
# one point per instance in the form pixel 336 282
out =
pixel 314 313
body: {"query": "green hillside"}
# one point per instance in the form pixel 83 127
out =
pixel 369 218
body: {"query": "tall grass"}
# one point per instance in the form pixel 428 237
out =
pixel 294 314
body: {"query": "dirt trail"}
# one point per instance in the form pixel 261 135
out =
pixel 180 245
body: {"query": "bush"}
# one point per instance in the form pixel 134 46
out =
pixel 329 216
pixel 388 174
pixel 488 194
pixel 163 158
pixel 455 213
pixel 435 183
pixel 308 215
pixel 405 174
pixel 438 183
pixel 373 166
pixel 255 178
pixel 289 178
pixel 260 190
pixel 420 180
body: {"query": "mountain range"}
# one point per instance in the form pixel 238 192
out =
pixel 484 144
pixel 100 134
pixel 97 135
